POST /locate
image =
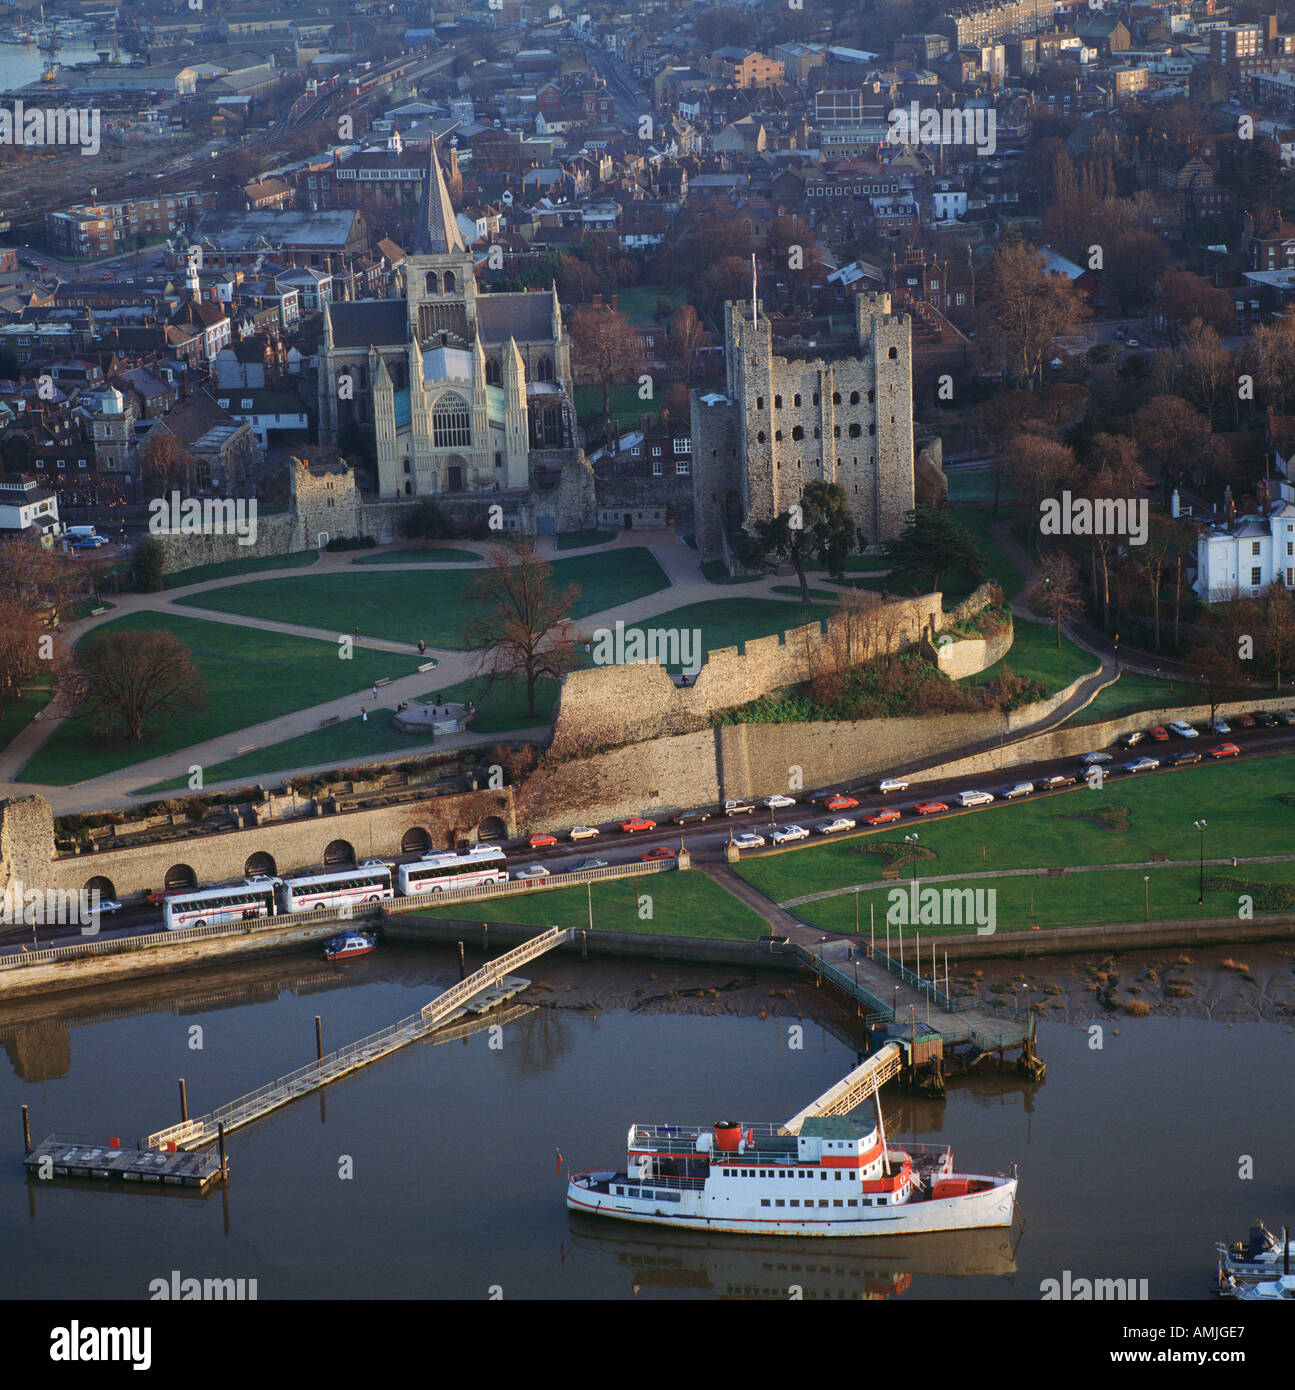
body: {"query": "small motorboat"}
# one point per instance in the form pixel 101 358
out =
pixel 351 943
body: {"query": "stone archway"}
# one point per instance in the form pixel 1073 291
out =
pixel 492 828
pixel 259 863
pixel 416 840
pixel 101 885
pixel 178 878
pixel 340 853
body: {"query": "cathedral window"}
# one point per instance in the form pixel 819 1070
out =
pixel 451 423
pixel 407 468
pixel 432 284
pixel 494 373
pixel 451 284
pixel 499 460
pixel 872 428
pixel 816 433
pixel 544 369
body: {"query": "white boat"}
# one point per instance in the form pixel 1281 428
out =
pixel 1271 1291
pixel 1262 1256
pixel 836 1177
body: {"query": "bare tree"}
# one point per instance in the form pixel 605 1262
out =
pixel 20 633
pixel 522 624
pixel 165 464
pixel 38 579
pixel 1025 307
pixel 135 676
pixel 1056 590
pixel 687 334
pixel 607 350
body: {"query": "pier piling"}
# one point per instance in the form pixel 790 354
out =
pixel 184 1102
pixel 224 1162
pixel 319 1038
pixel 462 971
pixel 26 1130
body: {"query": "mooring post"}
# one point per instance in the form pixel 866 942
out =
pixel 485 938
pixel 584 944
pixel 224 1162
pixel 462 971
pixel 26 1129
pixel 184 1101
pixel 319 1038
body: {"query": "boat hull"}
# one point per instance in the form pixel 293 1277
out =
pixel 698 1211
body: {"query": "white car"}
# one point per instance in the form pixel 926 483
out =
pixel 1220 726
pixel 1020 789
pixel 108 906
pixel 1090 758
pixel 581 832
pixel 364 864
pixel 893 784
pixel 1142 765
pixel 748 839
pixel 1183 729
pixel 975 798
pixel 777 803
pixel 830 827
pixel 786 833
pixel 534 871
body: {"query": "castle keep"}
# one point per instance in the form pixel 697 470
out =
pixel 788 421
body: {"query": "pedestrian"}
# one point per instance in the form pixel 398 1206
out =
pixel 422 646
pixel 375 692
pixel 357 633
pixel 364 714
pixel 440 695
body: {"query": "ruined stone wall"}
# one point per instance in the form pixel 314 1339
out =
pixel 26 842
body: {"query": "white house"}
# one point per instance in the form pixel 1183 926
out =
pixel 1248 555
pixel 27 508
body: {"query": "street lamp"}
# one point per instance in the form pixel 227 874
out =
pixel 1200 825
pixel 912 840
pixel 1146 897
pixel 1117 651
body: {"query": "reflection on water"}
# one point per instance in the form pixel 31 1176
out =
pixel 734 1267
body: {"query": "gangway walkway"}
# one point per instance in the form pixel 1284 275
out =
pixel 203 1131
pixel 853 1088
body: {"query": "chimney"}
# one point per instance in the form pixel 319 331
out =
pixel 1270 33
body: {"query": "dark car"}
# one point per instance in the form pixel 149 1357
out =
pixel 691 817
pixel 1286 716
pixel 1269 721
pixel 1186 758
pixel 1058 779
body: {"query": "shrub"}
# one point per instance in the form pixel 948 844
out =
pixel 1137 1008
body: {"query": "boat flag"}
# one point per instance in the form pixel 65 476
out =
pixel 559 1154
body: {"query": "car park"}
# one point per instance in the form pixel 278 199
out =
pixel 881 817
pixel 1132 740
pixel 1183 729
pixel 661 852
pixel 532 871
pixel 930 808
pixel 975 798
pixel 691 817
pixel 637 823
pixel 739 808
pixel 892 784
pixel 581 832
pixel 779 802
pixel 840 802
pixel 1160 734
pixel 748 839
pixel 1184 758
pixel 785 834
pixel 1020 789
pixel 1142 765
pixel 830 827
pixel 1225 750
pixel 585 865
pixel 1090 758
pixel 1219 726
pixel 542 840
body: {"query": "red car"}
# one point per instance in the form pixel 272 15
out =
pixel 881 817
pixel 929 808
pixel 1225 750
pixel 661 852
pixel 1246 721
pixel 637 823
pixel 840 803
pixel 156 897
pixel 1160 734
pixel 542 840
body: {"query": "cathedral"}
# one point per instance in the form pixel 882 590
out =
pixel 455 387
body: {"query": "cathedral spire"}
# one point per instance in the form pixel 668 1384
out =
pixel 437 228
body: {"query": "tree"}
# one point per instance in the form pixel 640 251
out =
pixel 1208 369
pixel 999 418
pixel 607 350
pixel 150 565
pixel 1218 670
pixel 1118 476
pixel 522 621
pixel 1169 432
pixel 1056 590
pixel 135 677
pixel 687 334
pixel 427 520
pixel 1136 260
pixel 933 543
pixel 1272 351
pixel 20 633
pixel 1276 631
pixel 1184 297
pixel 1042 468
pixel 38 579
pixel 165 464
pixel 820 524
pixel 1024 308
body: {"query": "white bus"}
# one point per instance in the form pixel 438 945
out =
pixel 207 906
pixel 336 888
pixel 437 872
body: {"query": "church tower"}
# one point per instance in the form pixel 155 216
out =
pixel 516 438
pixel 439 281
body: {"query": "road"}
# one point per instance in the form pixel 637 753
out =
pixel 631 104
pixel 706 843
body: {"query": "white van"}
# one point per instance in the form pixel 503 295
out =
pixel 974 798
pixel 79 533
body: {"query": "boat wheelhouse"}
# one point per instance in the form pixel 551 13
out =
pixel 836 1177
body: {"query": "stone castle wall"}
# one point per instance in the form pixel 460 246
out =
pixel 26 842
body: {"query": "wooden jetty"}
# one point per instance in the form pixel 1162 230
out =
pixel 110 1160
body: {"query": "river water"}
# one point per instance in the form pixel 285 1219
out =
pixel 1130 1154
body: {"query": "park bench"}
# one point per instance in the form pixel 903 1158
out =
pixel 890 873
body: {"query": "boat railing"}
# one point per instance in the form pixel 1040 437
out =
pixel 683 1184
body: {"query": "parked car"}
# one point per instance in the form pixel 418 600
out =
pixel 1183 729
pixel 893 784
pixel 1020 789
pixel 1286 716
pixel 586 864
pixel 661 852
pixel 1160 734
pixel 1142 765
pixel 691 817
pixel 1225 750
pixel 974 798
pixel 1219 726
pixel 830 827
pixel 739 808
pixel 840 802
pixel 532 871
pixel 785 834
pixel 1245 721
pixel 637 823
pixel 1058 779
pixel 581 832
pixel 1090 758
pixel 1184 758
pixel 542 840
pixel 881 817
pixel 779 802
pixel 930 808
pixel 108 907
pixel 748 839
pixel 1132 740
pixel 1265 719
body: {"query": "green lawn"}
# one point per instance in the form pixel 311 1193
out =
pixel 426 604
pixel 627 407
pixel 503 707
pixel 1133 692
pixel 724 622
pixel 204 574
pixel 250 676
pixel 998 567
pixel 977 485
pixel 423 555
pixel 638 302
pixel 1079 900
pixel 578 540
pixel 15 716
pixel 1238 800
pixel 1035 655
pixel 682 904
